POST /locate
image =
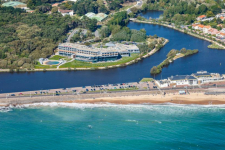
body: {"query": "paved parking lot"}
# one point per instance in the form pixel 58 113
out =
pixel 85 89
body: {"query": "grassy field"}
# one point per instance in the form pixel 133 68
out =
pixel 213 45
pixel 147 80
pixel 81 64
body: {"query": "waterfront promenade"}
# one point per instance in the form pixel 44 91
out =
pixel 124 93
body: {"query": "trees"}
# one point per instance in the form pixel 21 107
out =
pixel 143 48
pixel 104 31
pixel 216 9
pixel 155 70
pixel 75 38
pixel 54 10
pixel 210 14
pixel 26 37
pixel 202 9
pixel 85 6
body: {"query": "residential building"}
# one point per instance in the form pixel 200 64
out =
pixel 198 27
pixel 220 35
pixel 66 12
pixel 223 30
pixel 201 17
pixel 222 18
pixel 206 29
pixel 213 31
pixel 220 15
pixel 94 54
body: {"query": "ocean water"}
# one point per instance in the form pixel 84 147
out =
pixel 109 126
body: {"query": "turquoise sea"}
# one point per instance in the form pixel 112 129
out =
pixel 109 126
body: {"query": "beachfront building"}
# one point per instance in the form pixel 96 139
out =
pixel 183 80
pixel 162 83
pixel 99 17
pixel 66 12
pixel 94 54
pixel 205 77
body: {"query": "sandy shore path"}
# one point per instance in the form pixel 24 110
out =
pixel 193 98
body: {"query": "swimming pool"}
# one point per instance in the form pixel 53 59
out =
pixel 52 62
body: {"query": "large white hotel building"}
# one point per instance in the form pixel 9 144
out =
pixel 94 54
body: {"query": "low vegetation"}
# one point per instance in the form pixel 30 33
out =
pixel 81 64
pixel 170 58
pixel 215 46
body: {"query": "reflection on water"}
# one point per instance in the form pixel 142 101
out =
pixel 151 13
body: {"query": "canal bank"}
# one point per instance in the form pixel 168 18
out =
pixel 183 31
pixel 211 60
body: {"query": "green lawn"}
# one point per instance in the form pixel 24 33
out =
pixel 81 64
pixel 39 66
pixel 147 80
pixel 56 57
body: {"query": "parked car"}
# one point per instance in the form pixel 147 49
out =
pixel 13 95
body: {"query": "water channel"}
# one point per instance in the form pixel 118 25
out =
pixel 211 60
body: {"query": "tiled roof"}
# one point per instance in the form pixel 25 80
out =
pixel 202 16
pixel 65 11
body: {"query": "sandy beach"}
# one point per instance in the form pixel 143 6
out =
pixel 193 98
pixel 138 97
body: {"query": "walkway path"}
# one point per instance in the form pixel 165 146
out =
pixel 64 63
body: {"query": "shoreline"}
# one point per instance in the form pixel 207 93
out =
pixel 196 97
